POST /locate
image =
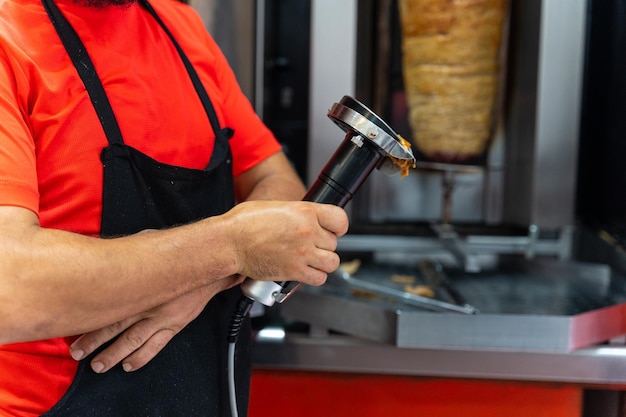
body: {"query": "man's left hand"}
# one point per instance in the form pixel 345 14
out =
pixel 142 337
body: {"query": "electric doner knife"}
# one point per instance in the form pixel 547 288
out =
pixel 369 143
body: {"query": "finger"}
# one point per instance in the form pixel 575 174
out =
pixel 327 241
pixel 313 276
pixel 148 350
pixel 333 219
pixel 129 341
pixel 325 261
pixel 317 271
pixel 89 342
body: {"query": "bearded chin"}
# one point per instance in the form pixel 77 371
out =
pixel 104 3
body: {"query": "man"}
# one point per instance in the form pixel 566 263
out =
pixel 124 144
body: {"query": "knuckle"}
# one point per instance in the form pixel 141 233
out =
pixel 306 230
pixel 308 208
pixel 301 251
pixel 319 279
pixel 115 328
pixel 89 341
pixel 132 339
pixel 334 262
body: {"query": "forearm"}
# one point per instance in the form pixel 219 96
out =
pixel 56 283
pixel 274 179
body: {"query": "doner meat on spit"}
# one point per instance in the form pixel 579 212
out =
pixel 452 70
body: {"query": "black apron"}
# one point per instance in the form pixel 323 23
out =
pixel 189 376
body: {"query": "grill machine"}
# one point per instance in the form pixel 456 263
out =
pixel 502 231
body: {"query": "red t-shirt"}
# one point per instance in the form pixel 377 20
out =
pixel 50 136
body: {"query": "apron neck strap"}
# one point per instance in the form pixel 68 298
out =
pixel 195 79
pixel 86 70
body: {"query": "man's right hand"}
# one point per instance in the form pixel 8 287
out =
pixel 286 241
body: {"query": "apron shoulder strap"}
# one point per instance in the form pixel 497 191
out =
pixel 195 79
pixel 86 70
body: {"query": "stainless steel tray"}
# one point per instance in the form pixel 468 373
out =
pixel 538 305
